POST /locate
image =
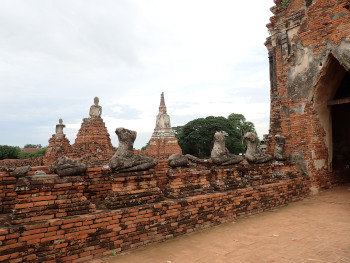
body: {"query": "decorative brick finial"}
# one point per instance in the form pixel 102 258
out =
pixel 162 107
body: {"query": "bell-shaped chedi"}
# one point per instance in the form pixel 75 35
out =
pixel 93 136
pixel 163 142
pixel 58 145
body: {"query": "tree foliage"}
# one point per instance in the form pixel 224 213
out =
pixel 197 136
pixel 32 146
pixel 9 152
pixel 241 125
pixel 285 3
pixel 27 155
pixel 14 152
pixel 144 147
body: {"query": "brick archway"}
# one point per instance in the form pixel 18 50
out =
pixel 328 98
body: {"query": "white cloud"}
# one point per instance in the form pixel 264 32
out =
pixel 56 56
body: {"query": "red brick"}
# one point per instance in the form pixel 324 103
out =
pixel 31 237
pixel 46 239
pixel 65 185
pixel 25 205
pixel 34 231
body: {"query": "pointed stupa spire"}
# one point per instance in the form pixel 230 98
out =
pixel 163 127
pixel 162 107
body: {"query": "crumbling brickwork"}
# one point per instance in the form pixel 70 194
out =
pixel 54 218
pixel 58 146
pixel 309 54
pixel 92 145
pixel 77 218
pixel 162 148
pixel 46 197
pixel 184 182
pixel 13 163
pixel 93 137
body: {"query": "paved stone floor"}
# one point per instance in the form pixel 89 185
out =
pixel 316 229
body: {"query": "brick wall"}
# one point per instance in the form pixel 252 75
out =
pixel 13 163
pixel 55 219
pixel 162 148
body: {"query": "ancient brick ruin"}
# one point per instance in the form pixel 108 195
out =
pixel 48 217
pixel 163 142
pixel 309 53
pixel 59 145
pixel 92 144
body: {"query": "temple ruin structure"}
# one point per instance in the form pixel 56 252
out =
pixel 163 142
pixel 58 145
pixel 309 55
pixel 93 135
pixel 79 208
pixel 92 144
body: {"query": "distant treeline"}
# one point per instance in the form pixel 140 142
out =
pixel 15 152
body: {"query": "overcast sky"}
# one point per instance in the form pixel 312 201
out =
pixel 208 57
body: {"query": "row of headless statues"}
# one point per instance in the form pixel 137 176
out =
pixel 125 160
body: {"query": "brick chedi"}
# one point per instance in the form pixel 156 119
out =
pixel 163 142
pixel 309 54
pixel 93 135
pixel 58 145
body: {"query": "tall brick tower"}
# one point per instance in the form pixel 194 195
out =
pixel 163 142
pixel 309 54
pixel 93 136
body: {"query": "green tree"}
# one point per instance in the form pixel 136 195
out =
pixel 26 155
pixel 32 146
pixel 9 152
pixel 144 147
pixel 197 136
pixel 241 125
pixel 285 3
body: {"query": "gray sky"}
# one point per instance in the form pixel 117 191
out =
pixel 208 57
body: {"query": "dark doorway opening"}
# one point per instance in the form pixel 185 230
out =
pixel 341 125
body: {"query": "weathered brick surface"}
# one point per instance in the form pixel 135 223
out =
pixel 133 188
pixel 184 182
pixel 75 238
pixel 13 163
pixel 43 197
pixel 243 176
pixel 92 145
pixel 66 233
pixel 161 173
pixel 58 146
pixel 93 137
pixel 8 197
pixel 305 36
pixel 162 148
pixel 98 184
